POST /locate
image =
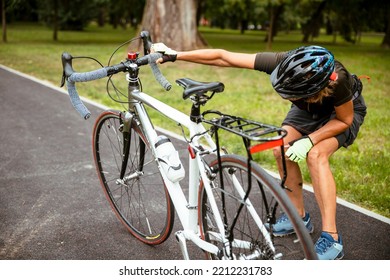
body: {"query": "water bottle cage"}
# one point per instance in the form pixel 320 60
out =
pixel 178 167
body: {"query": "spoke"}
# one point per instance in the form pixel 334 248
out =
pixel 139 199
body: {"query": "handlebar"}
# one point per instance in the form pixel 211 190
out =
pixel 70 76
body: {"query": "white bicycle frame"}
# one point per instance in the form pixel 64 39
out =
pixel 187 211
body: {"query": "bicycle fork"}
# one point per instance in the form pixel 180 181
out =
pixel 125 128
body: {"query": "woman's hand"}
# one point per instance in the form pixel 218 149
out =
pixel 299 148
pixel 168 53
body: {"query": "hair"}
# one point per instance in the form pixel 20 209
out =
pixel 325 92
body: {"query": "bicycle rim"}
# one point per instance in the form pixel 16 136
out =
pixel 140 200
pixel 248 241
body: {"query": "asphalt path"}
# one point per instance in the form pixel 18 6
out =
pixel 51 203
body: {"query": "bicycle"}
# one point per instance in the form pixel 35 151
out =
pixel 232 202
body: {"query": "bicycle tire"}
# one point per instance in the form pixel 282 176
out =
pixel 141 203
pixel 245 229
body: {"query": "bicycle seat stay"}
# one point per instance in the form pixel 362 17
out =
pixel 192 87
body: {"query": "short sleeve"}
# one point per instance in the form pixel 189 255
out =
pixel 343 90
pixel 267 61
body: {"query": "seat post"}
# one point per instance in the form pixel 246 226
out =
pixel 195 113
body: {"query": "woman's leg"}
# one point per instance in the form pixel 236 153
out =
pixel 323 182
pixel 294 176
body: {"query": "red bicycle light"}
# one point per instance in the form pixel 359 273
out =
pixel 192 152
pixel 132 55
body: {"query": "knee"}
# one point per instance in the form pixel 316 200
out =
pixel 317 156
pixel 277 153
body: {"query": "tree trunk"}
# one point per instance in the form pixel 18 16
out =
pixel 55 21
pixel 173 22
pixel 386 39
pixel 269 37
pixel 3 21
pixel 101 16
pixel 274 14
pixel 312 27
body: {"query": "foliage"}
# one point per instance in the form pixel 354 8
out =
pixel 358 16
pixel 348 18
pixel 236 14
pixel 125 12
pixel 76 14
pixel 21 10
pixel 72 15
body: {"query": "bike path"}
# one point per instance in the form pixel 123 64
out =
pixel 51 203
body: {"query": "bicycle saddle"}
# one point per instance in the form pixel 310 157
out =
pixel 192 87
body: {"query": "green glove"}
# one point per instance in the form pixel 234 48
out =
pixel 299 148
pixel 168 53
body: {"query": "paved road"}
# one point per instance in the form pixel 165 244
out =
pixel 51 203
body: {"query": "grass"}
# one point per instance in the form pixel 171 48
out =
pixel 361 171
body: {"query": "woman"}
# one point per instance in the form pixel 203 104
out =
pixel 326 113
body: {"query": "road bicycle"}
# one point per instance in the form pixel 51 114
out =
pixel 227 204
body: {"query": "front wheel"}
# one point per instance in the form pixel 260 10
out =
pixel 131 180
pixel 249 238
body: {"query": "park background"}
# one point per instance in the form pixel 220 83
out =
pixel 35 33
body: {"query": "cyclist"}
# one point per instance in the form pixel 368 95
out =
pixel 326 113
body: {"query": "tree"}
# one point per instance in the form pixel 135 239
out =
pixel 55 20
pixel 312 27
pixel 67 15
pixel 276 9
pixel 379 19
pixel 386 39
pixel 124 12
pixel 16 10
pixel 3 21
pixel 173 22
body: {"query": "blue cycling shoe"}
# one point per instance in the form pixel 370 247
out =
pixel 329 249
pixel 283 226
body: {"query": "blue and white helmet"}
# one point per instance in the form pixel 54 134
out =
pixel 303 73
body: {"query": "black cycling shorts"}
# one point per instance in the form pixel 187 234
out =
pixel 306 123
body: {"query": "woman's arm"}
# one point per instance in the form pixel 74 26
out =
pixel 344 118
pixel 215 57
pixel 218 57
pixel 300 148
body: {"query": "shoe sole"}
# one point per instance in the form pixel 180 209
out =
pixel 340 256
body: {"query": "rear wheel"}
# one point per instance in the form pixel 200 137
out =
pixel 139 199
pixel 249 241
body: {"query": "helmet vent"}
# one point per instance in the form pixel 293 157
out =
pixel 299 56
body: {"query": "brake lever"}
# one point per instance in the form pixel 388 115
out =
pixel 62 79
pixel 147 40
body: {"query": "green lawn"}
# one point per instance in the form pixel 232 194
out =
pixel 361 171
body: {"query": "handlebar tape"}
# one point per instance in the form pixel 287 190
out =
pixel 76 101
pixel 151 60
pixel 88 76
pixel 103 72
pixel 73 94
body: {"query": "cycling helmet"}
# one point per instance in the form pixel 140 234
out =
pixel 303 73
